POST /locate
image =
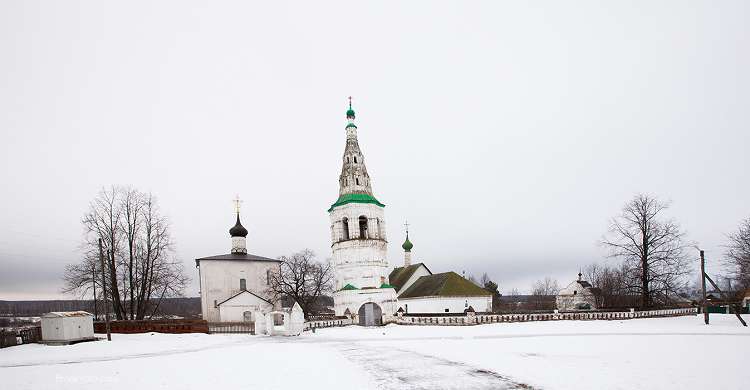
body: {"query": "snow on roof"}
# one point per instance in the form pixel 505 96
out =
pixel 58 314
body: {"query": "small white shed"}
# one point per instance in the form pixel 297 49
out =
pixel 65 327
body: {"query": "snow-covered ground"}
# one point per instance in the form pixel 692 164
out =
pixel 664 353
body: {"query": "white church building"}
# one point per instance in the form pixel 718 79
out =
pixel 233 285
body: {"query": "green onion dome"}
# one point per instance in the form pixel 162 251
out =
pixel 407 245
pixel 350 113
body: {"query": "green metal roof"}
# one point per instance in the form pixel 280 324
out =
pixel 351 125
pixel 349 287
pixel 447 284
pixel 355 198
pixel 386 285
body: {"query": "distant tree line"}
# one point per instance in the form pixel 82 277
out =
pixel 139 263
pixel 179 307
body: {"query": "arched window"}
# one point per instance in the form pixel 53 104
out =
pixel 355 159
pixel 363 227
pixel 345 227
pixel 347 159
pixel 380 231
pixel 243 284
pixel 357 180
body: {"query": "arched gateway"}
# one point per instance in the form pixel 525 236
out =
pixel 370 314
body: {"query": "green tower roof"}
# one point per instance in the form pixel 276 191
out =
pixel 355 198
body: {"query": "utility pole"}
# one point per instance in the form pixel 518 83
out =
pixel 703 287
pixel 93 284
pixel 104 290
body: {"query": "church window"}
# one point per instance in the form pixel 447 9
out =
pixel 363 227
pixel 406 307
pixel 215 303
pixel 446 310
pixel 345 227
pixel 243 284
pixel 357 180
pixel 347 159
pixel 355 159
pixel 380 231
pixel 575 292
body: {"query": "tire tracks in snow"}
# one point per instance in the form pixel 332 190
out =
pixel 398 368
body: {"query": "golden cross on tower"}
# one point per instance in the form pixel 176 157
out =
pixel 237 203
pixel 407 226
pixel 350 102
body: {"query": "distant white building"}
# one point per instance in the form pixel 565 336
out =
pixel 234 286
pixel 579 295
pixel 65 327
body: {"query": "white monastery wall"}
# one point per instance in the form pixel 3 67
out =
pixel 439 304
pixel 353 299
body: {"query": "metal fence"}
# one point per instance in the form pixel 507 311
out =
pixel 327 323
pixel 231 327
pixel 499 318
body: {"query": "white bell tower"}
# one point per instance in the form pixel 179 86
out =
pixel 358 235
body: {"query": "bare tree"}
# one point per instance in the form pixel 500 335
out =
pixel 543 292
pixel 651 247
pixel 302 278
pixel 738 254
pixel 140 264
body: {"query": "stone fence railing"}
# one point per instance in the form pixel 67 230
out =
pixel 327 323
pixel 475 319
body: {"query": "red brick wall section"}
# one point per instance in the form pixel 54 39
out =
pixel 159 326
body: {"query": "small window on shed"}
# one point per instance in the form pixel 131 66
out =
pixel 243 284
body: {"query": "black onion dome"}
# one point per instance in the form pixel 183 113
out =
pixel 238 230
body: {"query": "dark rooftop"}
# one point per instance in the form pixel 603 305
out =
pixel 236 257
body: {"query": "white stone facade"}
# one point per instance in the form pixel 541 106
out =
pixel 445 304
pixel 244 307
pixel 359 256
pixel 220 280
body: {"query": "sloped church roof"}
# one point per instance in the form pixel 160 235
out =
pixel 447 284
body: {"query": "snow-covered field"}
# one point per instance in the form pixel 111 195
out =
pixel 665 353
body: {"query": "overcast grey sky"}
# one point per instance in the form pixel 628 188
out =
pixel 507 133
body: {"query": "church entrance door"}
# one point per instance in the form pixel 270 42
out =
pixel 370 314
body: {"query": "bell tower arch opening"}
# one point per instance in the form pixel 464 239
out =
pixel 363 227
